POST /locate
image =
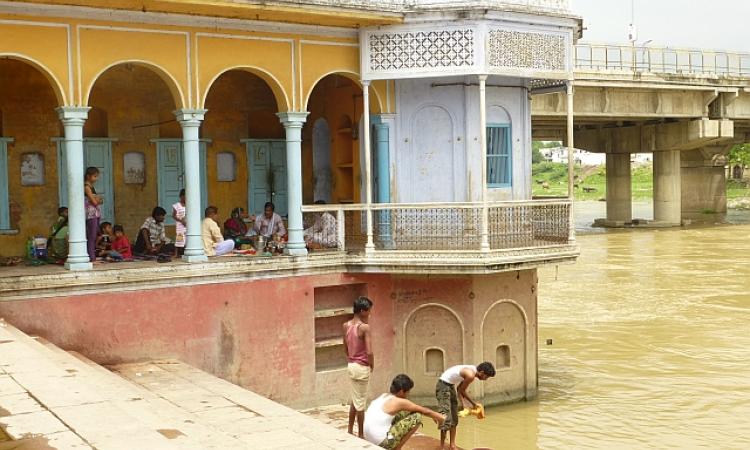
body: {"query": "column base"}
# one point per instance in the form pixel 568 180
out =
pixel 79 266
pixel 195 258
pixel 295 251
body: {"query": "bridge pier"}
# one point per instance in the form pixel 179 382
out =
pixel 667 188
pixel 619 190
pixel 704 183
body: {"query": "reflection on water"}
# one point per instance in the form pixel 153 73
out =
pixel 651 347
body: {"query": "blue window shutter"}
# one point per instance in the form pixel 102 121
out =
pixel 499 156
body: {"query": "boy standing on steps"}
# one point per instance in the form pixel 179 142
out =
pixel 361 361
pixel 450 388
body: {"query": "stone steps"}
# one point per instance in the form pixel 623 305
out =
pixel 70 402
pixel 257 421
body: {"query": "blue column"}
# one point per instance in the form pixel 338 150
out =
pixel 382 150
pixel 293 122
pixel 190 120
pixel 73 119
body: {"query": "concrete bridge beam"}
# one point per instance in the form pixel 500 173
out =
pixel 647 138
pixel 667 188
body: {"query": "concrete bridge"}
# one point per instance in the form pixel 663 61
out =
pixel 686 106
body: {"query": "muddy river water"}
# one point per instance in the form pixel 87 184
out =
pixel 650 347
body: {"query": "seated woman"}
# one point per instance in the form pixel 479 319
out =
pixel 152 240
pixel 57 242
pixel 235 227
pixel 213 242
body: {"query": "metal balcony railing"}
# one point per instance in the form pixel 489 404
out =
pixel 403 6
pixel 445 227
pixel 661 60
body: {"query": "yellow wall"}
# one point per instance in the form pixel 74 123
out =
pixel 134 74
pixel 28 116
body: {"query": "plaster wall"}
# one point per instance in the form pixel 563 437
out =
pixel 260 334
pixel 437 155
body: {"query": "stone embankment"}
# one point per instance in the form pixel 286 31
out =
pixel 53 399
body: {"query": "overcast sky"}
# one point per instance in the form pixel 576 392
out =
pixel 715 24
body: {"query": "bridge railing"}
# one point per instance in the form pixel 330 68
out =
pixel 682 61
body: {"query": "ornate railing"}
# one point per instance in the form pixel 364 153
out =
pixel 679 61
pixel 401 6
pixel 444 227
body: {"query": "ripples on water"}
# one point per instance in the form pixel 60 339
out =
pixel 653 353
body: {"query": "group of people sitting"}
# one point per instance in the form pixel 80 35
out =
pixel 110 242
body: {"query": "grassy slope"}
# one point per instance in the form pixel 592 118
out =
pixel 595 177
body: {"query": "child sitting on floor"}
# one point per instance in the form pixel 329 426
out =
pixel 104 240
pixel 121 244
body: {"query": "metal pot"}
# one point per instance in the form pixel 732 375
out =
pixel 259 242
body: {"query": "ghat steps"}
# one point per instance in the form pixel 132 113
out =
pixel 61 400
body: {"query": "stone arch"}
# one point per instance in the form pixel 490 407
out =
pixel 505 323
pixel 55 84
pixel 420 335
pixel 499 114
pixel 354 77
pixel 171 82
pixel 282 99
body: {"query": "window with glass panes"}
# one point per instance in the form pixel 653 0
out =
pixel 499 154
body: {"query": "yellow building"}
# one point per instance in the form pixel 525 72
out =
pixel 131 67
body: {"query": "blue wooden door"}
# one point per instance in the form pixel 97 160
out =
pixel 4 198
pixel 171 175
pixel 267 161
pixel 96 153
pixel 278 188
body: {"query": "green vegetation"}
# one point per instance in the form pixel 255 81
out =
pixel 740 154
pixel 737 189
pixel 551 180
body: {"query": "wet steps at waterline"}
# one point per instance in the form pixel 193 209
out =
pixel 55 399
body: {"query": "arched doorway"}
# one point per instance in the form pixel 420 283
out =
pixel 338 100
pixel 247 158
pixel 132 122
pixel 28 180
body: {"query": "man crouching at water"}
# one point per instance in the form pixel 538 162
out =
pixel 361 361
pixel 445 391
pixel 392 418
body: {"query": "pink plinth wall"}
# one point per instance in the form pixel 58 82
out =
pixel 260 334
